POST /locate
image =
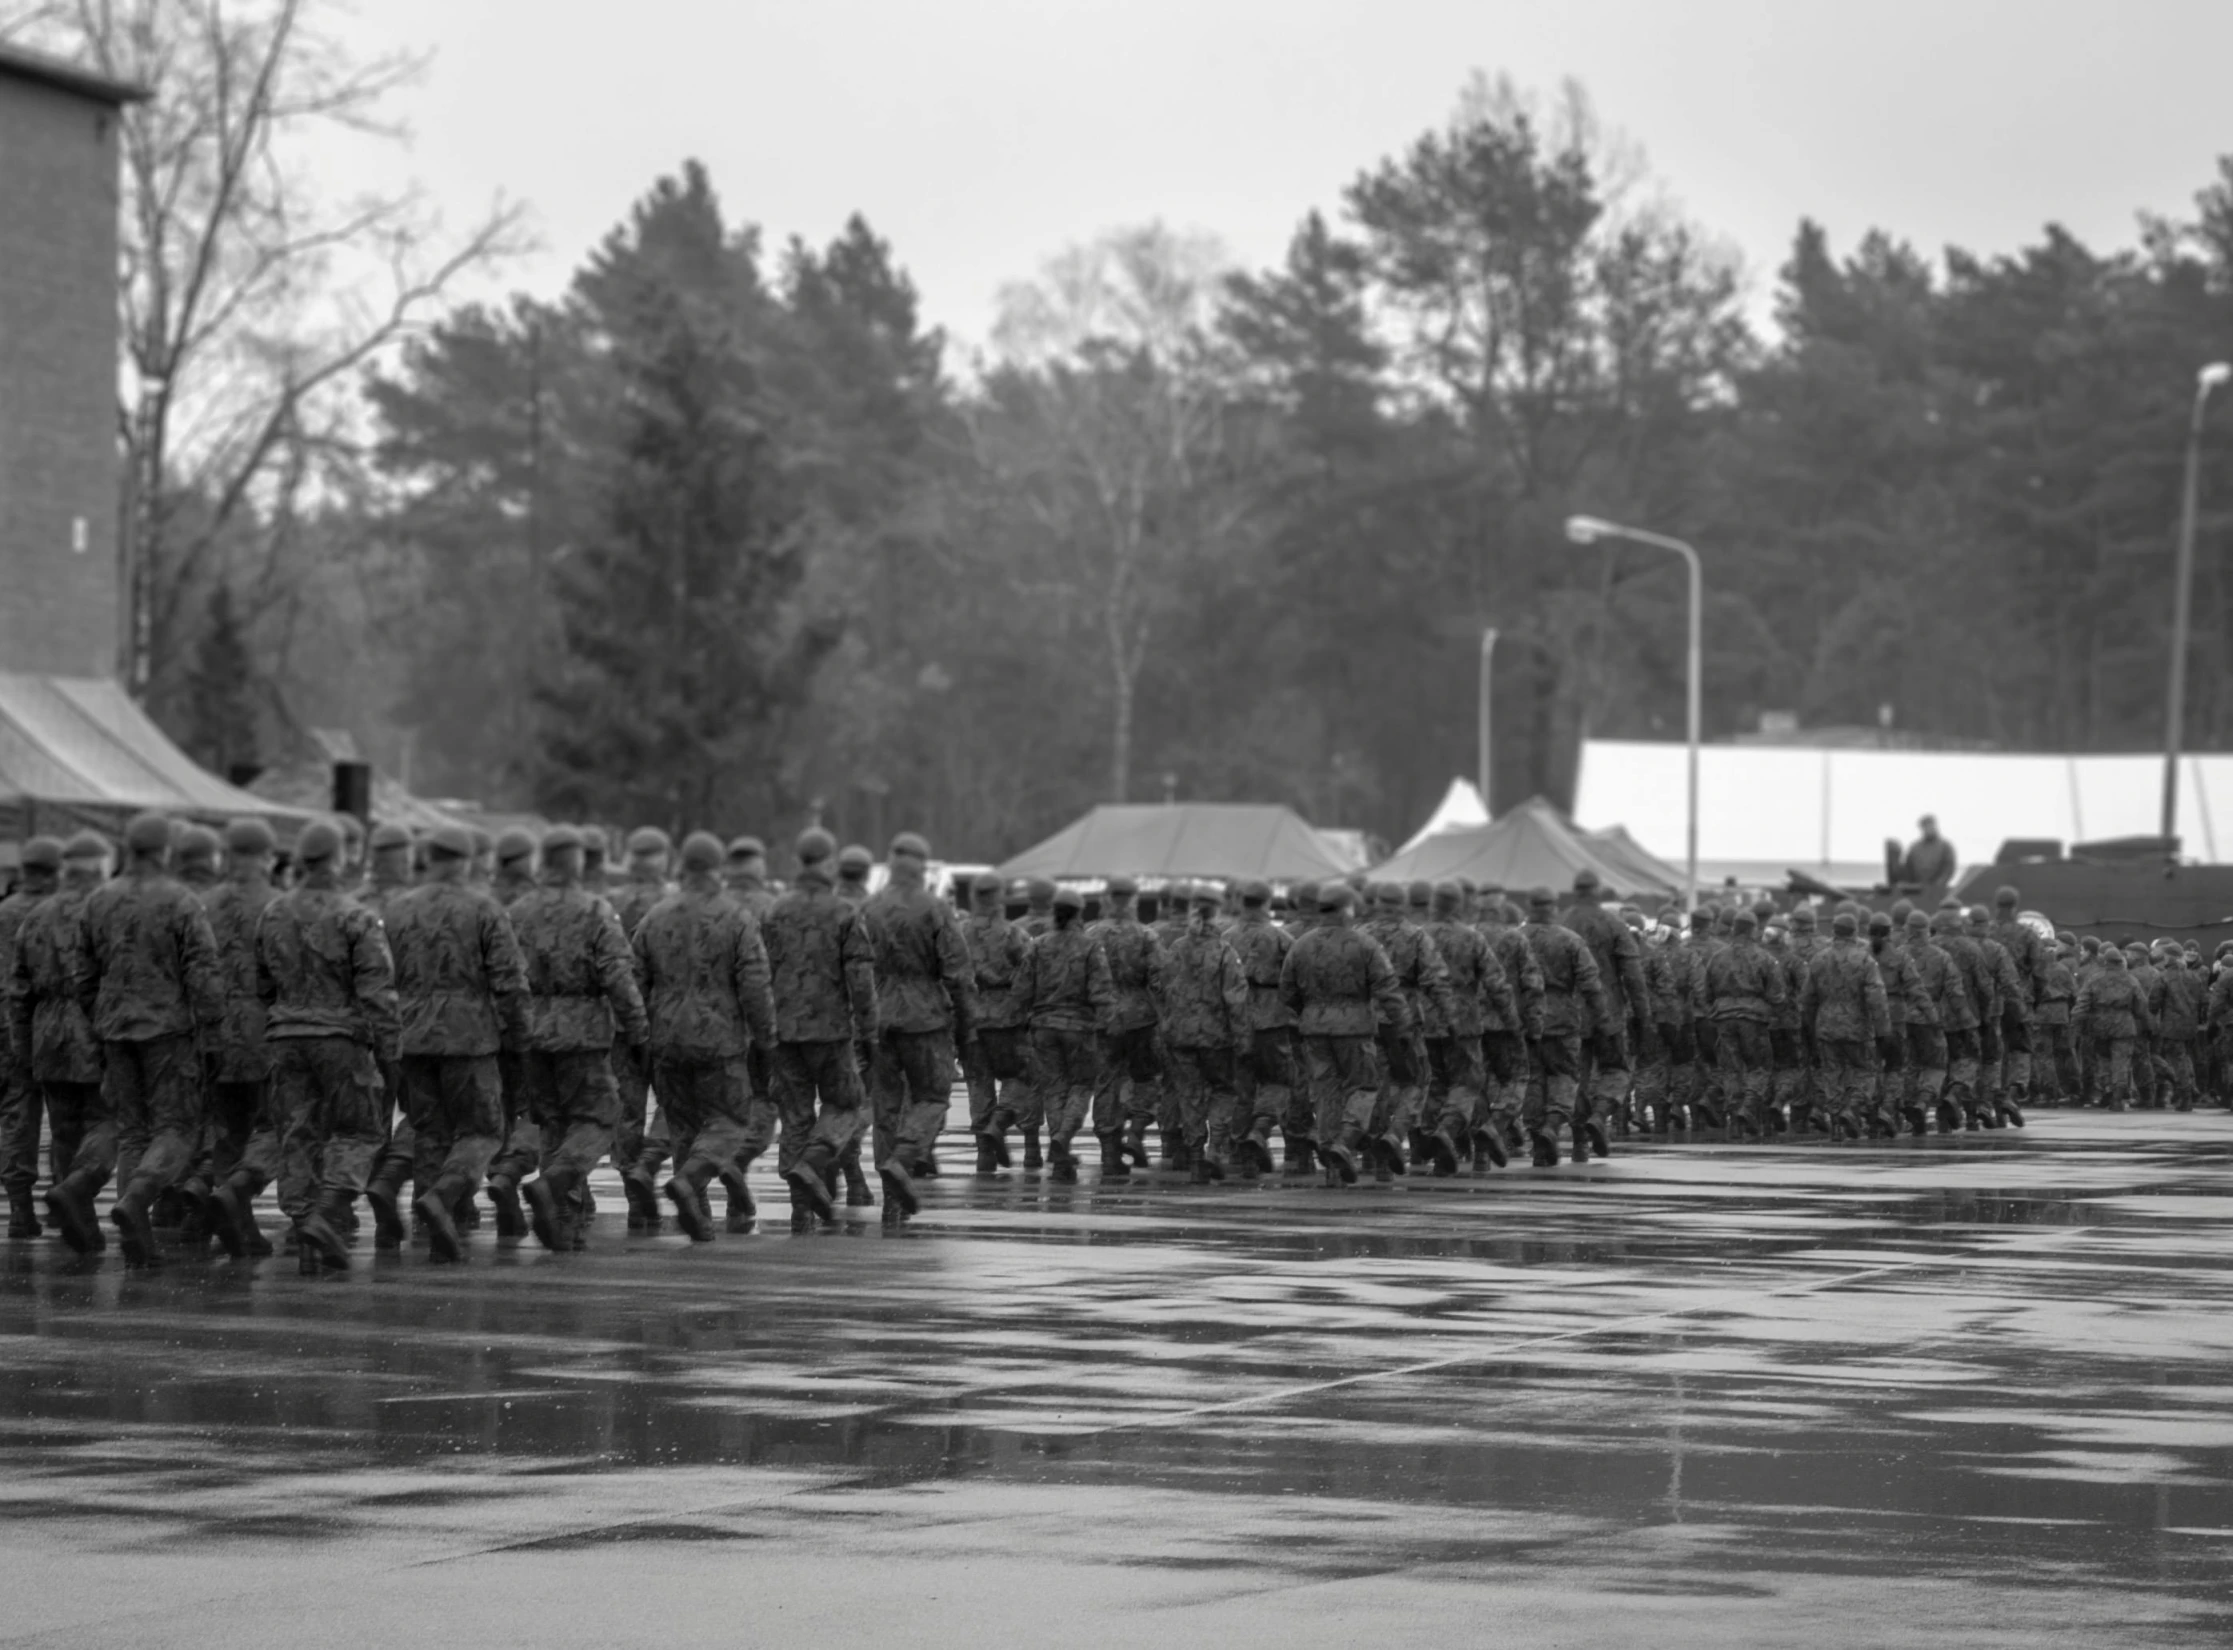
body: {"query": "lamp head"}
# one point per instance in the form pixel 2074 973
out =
pixel 2209 378
pixel 1584 529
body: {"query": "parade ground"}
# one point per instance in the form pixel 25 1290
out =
pixel 1965 1391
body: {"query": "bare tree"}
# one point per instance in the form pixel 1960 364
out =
pixel 1107 418
pixel 251 295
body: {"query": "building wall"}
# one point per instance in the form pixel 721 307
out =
pixel 58 381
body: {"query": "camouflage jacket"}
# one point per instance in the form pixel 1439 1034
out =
pixel 50 995
pixel 511 884
pixel 1205 991
pixel 633 898
pixel 154 959
pixel 236 908
pixel 381 892
pixel 1573 993
pixel 997 949
pixel 2057 991
pixel 1262 946
pixel 1523 973
pixel 1065 984
pixel 1665 968
pixel 2149 979
pixel 1479 991
pixel 2028 953
pixel 751 891
pixel 1743 981
pixel 581 976
pixel 15 910
pixel 922 966
pixel 706 979
pixel 458 974
pixel 1976 975
pixel 1135 969
pixel 322 969
pixel 2011 992
pixel 1843 999
pixel 1419 969
pixel 1620 961
pixel 821 964
pixel 2113 1004
pixel 1943 987
pixel 1338 983
pixel 1907 1001
pixel 1698 950
pixel 2179 1004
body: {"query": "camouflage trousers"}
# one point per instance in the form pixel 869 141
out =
pixel 2113 1065
pixel 1202 1082
pixel 1344 1086
pixel 1964 1066
pixel 1608 1074
pixel 706 1103
pixel 912 1084
pixel 327 1097
pixel 1848 1066
pixel 1267 1094
pixel 1555 1084
pixel 1066 1074
pixel 640 1138
pixel 820 1098
pixel 154 1091
pixel 454 1107
pixel 996 1068
pixel 81 1133
pixel 1403 1084
pixel 1924 1066
pixel 2055 1062
pixel 1746 1057
pixel 1455 1086
pixel 1504 1080
pixel 236 1111
pixel 2175 1068
pixel 575 1105
pixel 1130 1084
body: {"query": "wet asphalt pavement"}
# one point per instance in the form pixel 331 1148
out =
pixel 1967 1391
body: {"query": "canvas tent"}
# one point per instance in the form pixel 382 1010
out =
pixel 1162 842
pixel 1532 846
pixel 1765 810
pixel 76 752
pixel 1461 808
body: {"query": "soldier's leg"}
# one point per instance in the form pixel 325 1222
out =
pixel 1187 1084
pixel 21 1117
pixel 984 1088
pixel 1927 1057
pixel 165 1097
pixel 1299 1129
pixel 2178 1062
pixel 1069 1082
pixel 1223 1109
pixel 1355 1081
pixel 1614 1076
pixel 88 1106
pixel 1028 1099
pixel 1558 1059
pixel 1962 1062
pixel 232 1200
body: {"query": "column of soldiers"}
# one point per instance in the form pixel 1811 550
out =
pixel 418 1024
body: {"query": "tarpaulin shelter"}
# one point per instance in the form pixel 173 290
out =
pixel 1234 841
pixel 76 752
pixel 1533 846
pixel 1461 808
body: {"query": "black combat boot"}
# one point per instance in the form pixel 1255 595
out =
pixel 1301 1158
pixel 808 1179
pixel 1062 1164
pixel 857 1193
pixel 1115 1158
pixel 546 1198
pixel 135 1232
pixel 318 1239
pixel 1135 1139
pixel 1444 1151
pixel 384 1196
pixel 899 1184
pixel 1002 1120
pixel 1200 1174
pixel 643 1201
pixel 1178 1153
pixel 232 1216
pixel 744 1214
pixel 1254 1151
pixel 23 1215
pixel 988 1156
pixel 1031 1155
pixel 70 1207
pixel 686 1191
pixel 1489 1149
pixel 1544 1146
pixel 437 1207
pixel 503 1197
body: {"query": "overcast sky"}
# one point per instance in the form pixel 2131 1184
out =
pixel 982 136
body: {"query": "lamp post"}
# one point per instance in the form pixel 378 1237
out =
pixel 2182 585
pixel 1588 530
pixel 1488 653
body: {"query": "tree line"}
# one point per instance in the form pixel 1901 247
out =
pixel 726 532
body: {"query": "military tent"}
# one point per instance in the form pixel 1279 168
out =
pixel 1531 846
pixel 1160 842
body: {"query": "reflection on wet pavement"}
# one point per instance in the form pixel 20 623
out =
pixel 1721 1391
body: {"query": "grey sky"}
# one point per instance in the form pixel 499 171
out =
pixel 981 136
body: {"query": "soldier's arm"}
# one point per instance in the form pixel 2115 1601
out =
pixel 1872 991
pixel 1589 980
pixel 205 972
pixel 616 974
pixel 374 978
pixel 755 982
pixel 856 957
pixel 1496 987
pixel 506 972
pixel 959 978
pixel 1434 974
pixel 1628 958
pixel 1233 986
pixel 1387 992
pixel 1100 985
pixel 19 1008
pixel 1290 981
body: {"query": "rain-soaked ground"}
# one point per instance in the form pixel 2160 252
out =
pixel 1966 1391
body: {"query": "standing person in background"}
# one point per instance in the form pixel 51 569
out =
pixel 1930 860
pixel 2113 1009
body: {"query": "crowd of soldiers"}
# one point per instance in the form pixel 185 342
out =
pixel 418 1022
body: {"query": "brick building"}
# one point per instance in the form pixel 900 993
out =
pixel 59 605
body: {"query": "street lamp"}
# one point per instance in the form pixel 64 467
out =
pixel 1588 530
pixel 1488 656
pixel 2182 584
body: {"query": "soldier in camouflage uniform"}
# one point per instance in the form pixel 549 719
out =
pixel 1400 930
pixel 1131 1066
pixel 1942 991
pixel 2030 954
pixel 1269 1096
pixel 924 1009
pixel 1743 986
pixel 1603 1094
pixel 706 989
pixel 2149 979
pixel 1456 1091
pixel 1068 998
pixel 1203 1012
pixel 51 1031
pixel 194 857
pixel 1573 1001
pixel 240 1097
pixel 462 991
pixel 1904 998
pixel 854 863
pixel 1961 1014
pixel 1799 1077
pixel 640 1141
pixel 995 1064
pixel 581 981
pixel 327 989
pixel 513 879
pixel 2052 1046
pixel 1662 1061
pixel 389 873
pixel 745 875
pixel 160 1002
pixel 21 1108
pixel 2113 1009
pixel 1842 1008
pixel 1504 1045
pixel 2011 1005
pixel 822 969
pixel 1341 988
pixel 2178 1007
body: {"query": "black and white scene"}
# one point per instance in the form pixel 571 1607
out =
pixel 1211 823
